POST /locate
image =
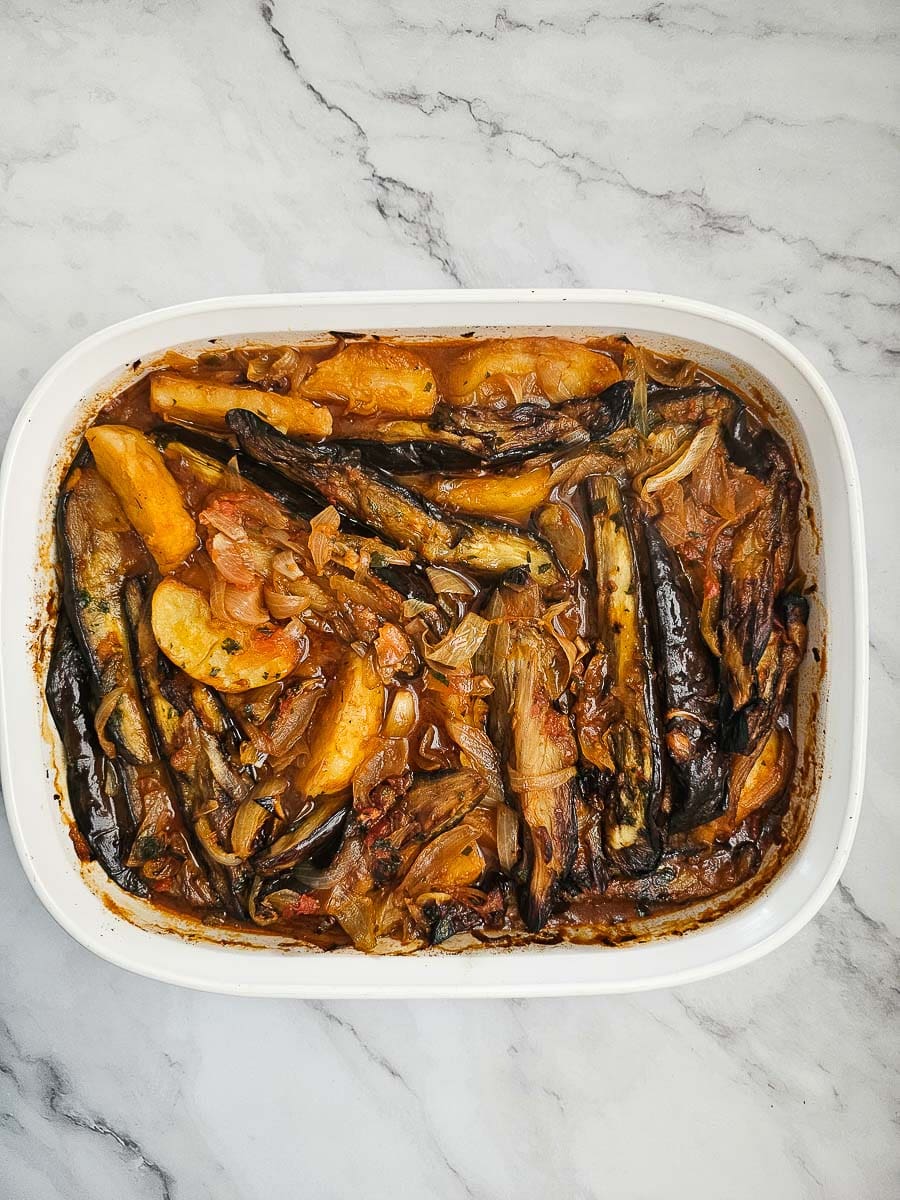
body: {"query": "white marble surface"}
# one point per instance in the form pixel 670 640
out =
pixel 741 153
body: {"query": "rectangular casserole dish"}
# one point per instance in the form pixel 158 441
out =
pixel 131 933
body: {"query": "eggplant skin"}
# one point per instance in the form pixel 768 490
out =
pixel 746 728
pixel 531 429
pixel 96 795
pixel 632 833
pixel 397 513
pixel 691 689
pixel 534 738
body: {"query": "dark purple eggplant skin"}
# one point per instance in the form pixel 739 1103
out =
pixel 745 729
pixel 400 515
pixel 96 795
pixel 690 684
pixel 752 445
pixel 532 428
pixel 409 458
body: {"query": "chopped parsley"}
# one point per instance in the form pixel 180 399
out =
pixel 230 646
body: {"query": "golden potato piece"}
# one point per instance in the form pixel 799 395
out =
pixel 370 377
pixel 135 470
pixel 507 497
pixel 352 713
pixel 225 655
pixel 208 404
pixel 548 366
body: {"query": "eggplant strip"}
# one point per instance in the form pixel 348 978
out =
pixel 758 569
pixel 99 551
pixel 398 514
pixel 95 792
pixel 691 691
pixel 748 726
pixel 531 429
pixel 632 738
pixel 534 739
pixel 194 779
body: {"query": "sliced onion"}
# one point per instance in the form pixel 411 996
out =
pixel 459 646
pixel 387 759
pixel 639 395
pixel 105 710
pixel 248 822
pixel 539 783
pixel 380 601
pixel 699 446
pixel 402 715
pixel 230 561
pixel 222 518
pixel 507 837
pixel 282 606
pixel 315 879
pixel 204 832
pixel 284 563
pixel 562 529
pixel 322 530
pixel 443 580
pixel 245 605
pixel 678 372
pixel 476 744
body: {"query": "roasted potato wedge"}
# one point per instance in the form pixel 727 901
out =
pixel 137 473
pixel 370 377
pixel 506 497
pixel 544 366
pixel 226 655
pixel 208 404
pixel 351 714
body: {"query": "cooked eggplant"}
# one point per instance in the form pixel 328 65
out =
pixel 690 689
pixel 308 834
pixel 95 791
pixel 389 646
pixel 531 429
pixel 631 741
pixel 747 726
pixel 397 513
pixel 197 762
pixel 758 569
pixel 534 739
pixel 99 551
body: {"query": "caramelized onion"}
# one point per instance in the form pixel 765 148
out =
pixel 282 606
pixel 507 837
pixel 699 446
pixel 402 715
pixel 105 710
pixel 284 563
pixel 245 605
pixel 322 530
pixel 443 580
pixel 208 839
pixel 458 647
pixel 248 822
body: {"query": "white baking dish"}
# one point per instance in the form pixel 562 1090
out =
pixel 94 911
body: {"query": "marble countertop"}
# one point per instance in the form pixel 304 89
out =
pixel 745 154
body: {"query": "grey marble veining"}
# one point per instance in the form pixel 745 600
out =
pixel 744 154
